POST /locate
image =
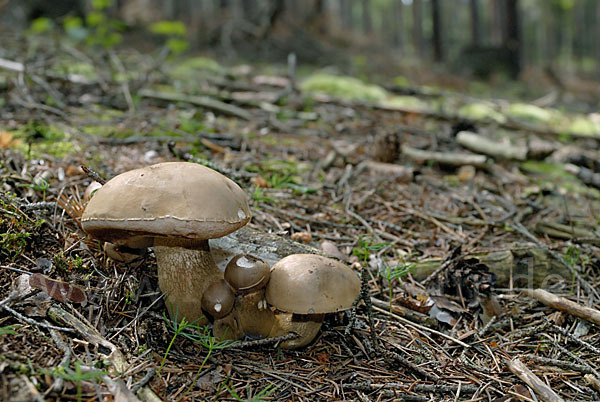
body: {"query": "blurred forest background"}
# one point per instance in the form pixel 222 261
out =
pixel 450 43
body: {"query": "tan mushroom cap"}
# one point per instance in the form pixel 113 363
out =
pixel 171 199
pixel 311 284
pixel 245 272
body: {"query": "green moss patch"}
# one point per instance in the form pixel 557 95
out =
pixel 344 87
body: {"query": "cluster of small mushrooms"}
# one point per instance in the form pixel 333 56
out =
pixel 176 207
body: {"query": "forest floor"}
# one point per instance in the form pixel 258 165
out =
pixel 455 240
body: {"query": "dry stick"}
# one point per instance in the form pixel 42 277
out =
pixel 411 366
pixel 91 334
pixel 264 341
pixel 419 327
pixel 565 305
pixel 58 383
pixel 93 175
pixel 125 84
pixel 364 295
pixel 40 106
pixel 586 369
pixel 541 389
pixel 592 381
pixel 572 337
pixel 574 357
pixel 447 158
pixel 137 317
pixel 144 381
pixel 203 101
pixel 14 295
pixel 483 145
pixel 368 386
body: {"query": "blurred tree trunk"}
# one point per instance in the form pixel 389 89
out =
pixel 596 48
pixel 511 35
pixel 346 14
pixel 366 17
pixel 496 21
pixel 437 31
pixel 317 17
pixel 397 25
pixel 249 8
pixel 474 14
pixel 551 39
pixel 417 27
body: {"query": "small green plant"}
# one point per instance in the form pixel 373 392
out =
pixel 365 247
pixel 209 342
pixel 41 185
pixel 41 25
pixel 76 375
pixel 573 257
pixel 395 274
pixel 276 180
pixel 178 327
pixel 8 330
pixel 103 30
pixel 197 334
pixel 259 196
pixel 175 32
pixel 16 230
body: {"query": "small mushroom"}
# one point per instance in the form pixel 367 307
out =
pixel 248 276
pixel 247 272
pixel 175 207
pixel 303 288
pixel 218 299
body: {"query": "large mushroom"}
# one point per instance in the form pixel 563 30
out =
pixel 303 288
pixel 174 207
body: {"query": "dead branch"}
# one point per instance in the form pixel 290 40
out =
pixel 540 388
pixel 565 305
pixel 486 146
pixel 446 158
pixel 202 101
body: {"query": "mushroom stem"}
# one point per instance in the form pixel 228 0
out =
pixel 185 270
pixel 306 326
pixel 250 316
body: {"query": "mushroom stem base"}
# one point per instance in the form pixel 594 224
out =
pixel 307 326
pixel 185 270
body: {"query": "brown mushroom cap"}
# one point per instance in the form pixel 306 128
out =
pixel 246 271
pixel 171 199
pixel 311 284
pixel 218 299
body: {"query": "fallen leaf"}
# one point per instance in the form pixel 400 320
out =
pixel 259 181
pixel 330 248
pixel 8 140
pixel 59 290
pixel 323 357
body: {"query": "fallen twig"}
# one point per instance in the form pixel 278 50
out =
pixel 202 101
pixel 562 304
pixel 539 387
